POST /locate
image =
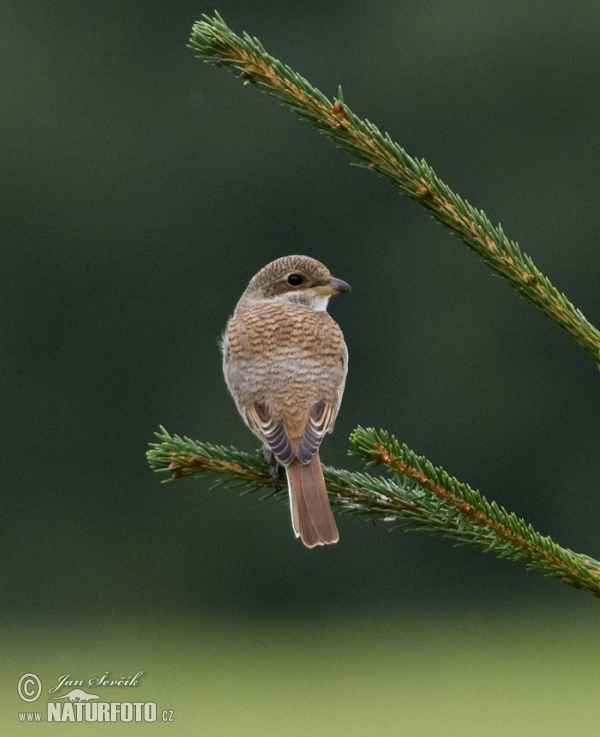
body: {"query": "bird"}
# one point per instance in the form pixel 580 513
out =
pixel 285 363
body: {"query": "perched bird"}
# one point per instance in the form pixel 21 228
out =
pixel 285 363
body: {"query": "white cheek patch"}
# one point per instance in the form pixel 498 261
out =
pixel 306 297
pixel 319 302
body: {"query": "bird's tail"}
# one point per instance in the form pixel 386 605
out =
pixel 312 518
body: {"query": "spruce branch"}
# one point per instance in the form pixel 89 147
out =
pixel 417 496
pixel 245 56
pixel 351 492
pixel 478 521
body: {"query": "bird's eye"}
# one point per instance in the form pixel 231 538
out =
pixel 295 280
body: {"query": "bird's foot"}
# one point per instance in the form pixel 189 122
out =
pixel 273 463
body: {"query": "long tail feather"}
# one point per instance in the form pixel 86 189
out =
pixel 312 518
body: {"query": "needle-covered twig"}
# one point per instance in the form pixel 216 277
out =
pixel 416 496
pixel 214 42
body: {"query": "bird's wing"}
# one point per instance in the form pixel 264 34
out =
pixel 320 421
pixel 260 421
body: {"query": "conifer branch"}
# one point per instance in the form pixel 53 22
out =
pixel 215 43
pixel 418 496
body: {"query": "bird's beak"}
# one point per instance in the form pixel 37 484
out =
pixel 337 286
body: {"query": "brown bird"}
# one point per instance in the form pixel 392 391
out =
pixel 285 363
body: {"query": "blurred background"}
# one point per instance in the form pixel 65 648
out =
pixel 140 191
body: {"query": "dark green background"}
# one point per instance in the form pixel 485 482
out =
pixel 141 191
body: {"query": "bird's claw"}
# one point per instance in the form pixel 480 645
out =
pixel 274 464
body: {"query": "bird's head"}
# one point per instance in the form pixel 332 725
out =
pixel 295 279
